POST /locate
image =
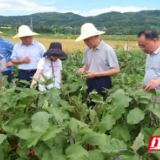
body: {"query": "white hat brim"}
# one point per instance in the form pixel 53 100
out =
pixel 85 36
pixel 25 35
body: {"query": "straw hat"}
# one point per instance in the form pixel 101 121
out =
pixel 55 49
pixel 24 31
pixel 88 30
pixel 1 32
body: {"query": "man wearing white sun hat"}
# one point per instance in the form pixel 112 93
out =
pixel 99 60
pixel 27 53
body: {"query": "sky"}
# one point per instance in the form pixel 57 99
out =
pixel 80 7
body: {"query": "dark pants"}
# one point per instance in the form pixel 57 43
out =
pixel 26 75
pixel 9 74
pixel 98 83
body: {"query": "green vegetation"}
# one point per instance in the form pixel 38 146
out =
pixel 59 125
pixel 114 23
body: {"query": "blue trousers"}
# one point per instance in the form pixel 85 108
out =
pixel 26 75
pixel 9 74
pixel 98 83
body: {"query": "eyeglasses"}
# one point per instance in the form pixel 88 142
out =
pixel 143 47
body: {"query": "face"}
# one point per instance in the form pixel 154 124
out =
pixel 147 45
pixel 90 42
pixel 53 58
pixel 27 40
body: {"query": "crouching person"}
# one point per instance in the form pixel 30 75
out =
pixel 50 65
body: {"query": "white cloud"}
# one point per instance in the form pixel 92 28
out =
pixel 23 6
pixel 114 8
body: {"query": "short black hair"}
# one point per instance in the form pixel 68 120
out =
pixel 149 34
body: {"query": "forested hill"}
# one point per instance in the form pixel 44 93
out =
pixel 112 22
pixel 69 19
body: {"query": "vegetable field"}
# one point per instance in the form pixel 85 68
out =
pixel 60 126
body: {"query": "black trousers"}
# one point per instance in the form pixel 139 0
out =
pixel 9 74
pixel 98 83
pixel 26 75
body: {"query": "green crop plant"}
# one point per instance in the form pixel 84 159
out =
pixel 55 125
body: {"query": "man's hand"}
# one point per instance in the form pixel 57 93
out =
pixel 25 60
pixel 81 70
pixel 152 84
pixel 90 74
pixel 9 64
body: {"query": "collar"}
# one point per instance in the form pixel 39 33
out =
pixel 157 50
pixel 100 44
pixel 32 43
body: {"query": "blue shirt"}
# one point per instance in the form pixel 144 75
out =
pixel 152 68
pixel 34 51
pixel 6 48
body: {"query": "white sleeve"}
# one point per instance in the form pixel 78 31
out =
pixel 41 64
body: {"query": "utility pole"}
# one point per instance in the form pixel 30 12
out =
pixel 31 24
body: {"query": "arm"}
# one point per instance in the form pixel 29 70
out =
pixel 36 75
pixel 83 69
pixel 110 72
pixel 8 64
pixel 152 84
pixel 23 60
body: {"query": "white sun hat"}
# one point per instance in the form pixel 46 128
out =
pixel 88 30
pixel 1 32
pixel 24 31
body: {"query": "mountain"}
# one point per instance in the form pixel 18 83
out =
pixel 116 19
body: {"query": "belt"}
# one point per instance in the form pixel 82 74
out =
pixel 28 71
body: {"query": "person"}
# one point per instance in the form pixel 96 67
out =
pixel 148 41
pixel 99 60
pixel 50 65
pixel 27 53
pixel 6 48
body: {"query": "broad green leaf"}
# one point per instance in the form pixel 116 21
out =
pixel 96 97
pixel 73 126
pixel 139 141
pixel 1 152
pixel 106 123
pixel 45 105
pixel 40 118
pixel 17 118
pixel 119 102
pixel 95 155
pixel 76 152
pixel 61 158
pixel 135 116
pixel 27 92
pixel 7 129
pixel 114 146
pixel 120 132
pixel 46 155
pixel 2 138
pixel 147 132
pixel 156 111
pixel 156 132
pixel 38 150
pixel 51 132
pixel 84 130
pixel 58 114
pixel 131 158
pixel 22 152
pixel 23 133
pixel 95 139
pixel 93 116
pixel 56 152
pixel 34 137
